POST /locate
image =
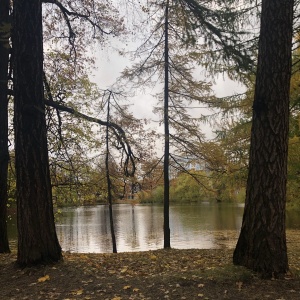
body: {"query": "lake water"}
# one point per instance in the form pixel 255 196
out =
pixel 140 227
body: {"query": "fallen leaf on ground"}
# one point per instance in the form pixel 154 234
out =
pixel 78 292
pixel 126 287
pixel 239 284
pixel 43 279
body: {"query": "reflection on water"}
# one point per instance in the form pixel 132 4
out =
pixel 140 227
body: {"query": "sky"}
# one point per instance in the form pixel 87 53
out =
pixel 109 65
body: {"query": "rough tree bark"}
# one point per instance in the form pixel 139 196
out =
pixel 262 242
pixel 37 239
pixel 4 156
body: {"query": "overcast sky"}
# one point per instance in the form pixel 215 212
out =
pixel 109 66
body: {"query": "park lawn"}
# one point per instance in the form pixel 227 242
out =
pixel 159 274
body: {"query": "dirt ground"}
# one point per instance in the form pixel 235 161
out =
pixel 160 274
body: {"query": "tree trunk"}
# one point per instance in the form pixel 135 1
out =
pixel 4 156
pixel 262 242
pixel 37 239
pixel 167 238
pixel 109 187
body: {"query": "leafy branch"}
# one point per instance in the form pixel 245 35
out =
pixel 119 133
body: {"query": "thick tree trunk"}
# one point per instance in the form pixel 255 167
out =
pixel 4 156
pixel 262 242
pixel 37 239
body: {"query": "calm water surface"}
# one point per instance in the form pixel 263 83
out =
pixel 140 227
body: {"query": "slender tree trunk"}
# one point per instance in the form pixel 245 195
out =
pixel 167 238
pixel 262 242
pixel 109 195
pixel 37 239
pixel 4 155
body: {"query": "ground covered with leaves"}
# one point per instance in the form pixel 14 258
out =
pixel 160 274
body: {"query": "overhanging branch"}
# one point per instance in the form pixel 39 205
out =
pixel 116 129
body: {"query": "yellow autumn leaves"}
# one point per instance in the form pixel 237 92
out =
pixel 44 278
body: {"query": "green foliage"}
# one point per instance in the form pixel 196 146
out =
pixel 225 44
pixel 156 196
pixel 229 188
pixel 185 188
pixel 293 183
pixel 74 26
